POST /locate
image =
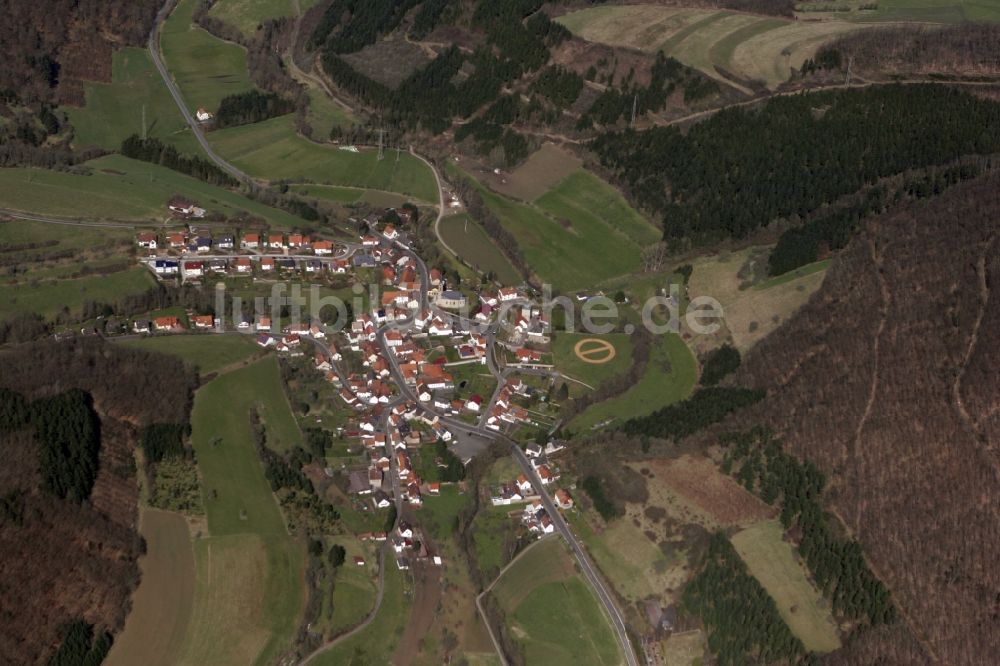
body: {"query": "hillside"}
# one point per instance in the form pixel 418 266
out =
pixel 62 560
pixel 886 380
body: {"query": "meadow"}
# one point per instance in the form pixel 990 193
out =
pixel 246 15
pixel 470 241
pixel 48 297
pixel 552 612
pixel 205 68
pixel 748 46
pixel 566 245
pixel 543 170
pixel 273 150
pixel 117 188
pixel 633 564
pixel 376 642
pixel 353 587
pixel 161 605
pixel 249 591
pixel 114 111
pixel 209 353
pixel 773 562
pixel 670 377
pixel 568 363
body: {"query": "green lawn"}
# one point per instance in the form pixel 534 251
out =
pixel 438 514
pixel 552 612
pixel 376 643
pixel 329 192
pixel 249 592
pixel 324 114
pixel 801 271
pixel 772 561
pixel 468 238
pixel 238 498
pixel 273 150
pixel 206 352
pixel 570 245
pixel 569 363
pixel 353 587
pixel 205 68
pixel 119 188
pixel 669 378
pixel 491 527
pixel 47 297
pixel 246 15
pixel 114 111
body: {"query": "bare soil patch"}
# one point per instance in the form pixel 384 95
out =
pixel 699 483
pixel 546 167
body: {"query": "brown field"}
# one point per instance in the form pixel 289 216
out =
pixel 161 606
pixel 699 484
pixel 683 649
pixel 546 167
pixel 388 61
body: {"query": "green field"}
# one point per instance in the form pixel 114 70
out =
pixel 772 561
pixel 114 111
pixel 353 588
pixel 119 188
pixel 209 353
pixel 376 643
pixel 324 114
pixel 470 241
pixel 565 242
pixel 238 498
pixel 669 378
pixel 551 612
pixel 273 150
pixel 48 297
pixel 249 591
pixel 246 15
pixel 570 364
pixel 205 68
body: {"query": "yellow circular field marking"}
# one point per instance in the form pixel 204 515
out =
pixel 594 350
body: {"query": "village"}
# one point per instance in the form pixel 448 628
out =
pixel 427 372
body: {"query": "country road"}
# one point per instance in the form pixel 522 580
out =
pixel 154 52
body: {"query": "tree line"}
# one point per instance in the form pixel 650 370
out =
pixel 707 406
pixel 155 151
pixel 755 458
pixel 742 169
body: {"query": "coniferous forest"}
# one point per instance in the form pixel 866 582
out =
pixel 742 169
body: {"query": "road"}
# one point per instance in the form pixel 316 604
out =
pixel 55 220
pixel 154 52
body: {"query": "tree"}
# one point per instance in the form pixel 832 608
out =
pixel 336 555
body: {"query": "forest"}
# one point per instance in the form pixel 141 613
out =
pixel 886 382
pixel 742 169
pixel 69 433
pixel 743 622
pixel 707 406
pixel 249 107
pixel 718 364
pixel 756 459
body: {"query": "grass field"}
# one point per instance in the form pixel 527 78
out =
pixel 751 47
pixel 205 68
pixel 272 150
pixel 566 244
pixel 670 376
pixel 772 561
pixel 114 111
pixel 324 115
pixel 248 599
pixel 569 363
pixel 246 15
pixel 208 353
pixel 470 241
pixel 633 564
pixel 122 189
pixel 49 296
pixel 552 612
pixel 927 11
pixel 753 307
pixel 376 643
pixel 249 591
pixel 161 605
pixel 354 587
